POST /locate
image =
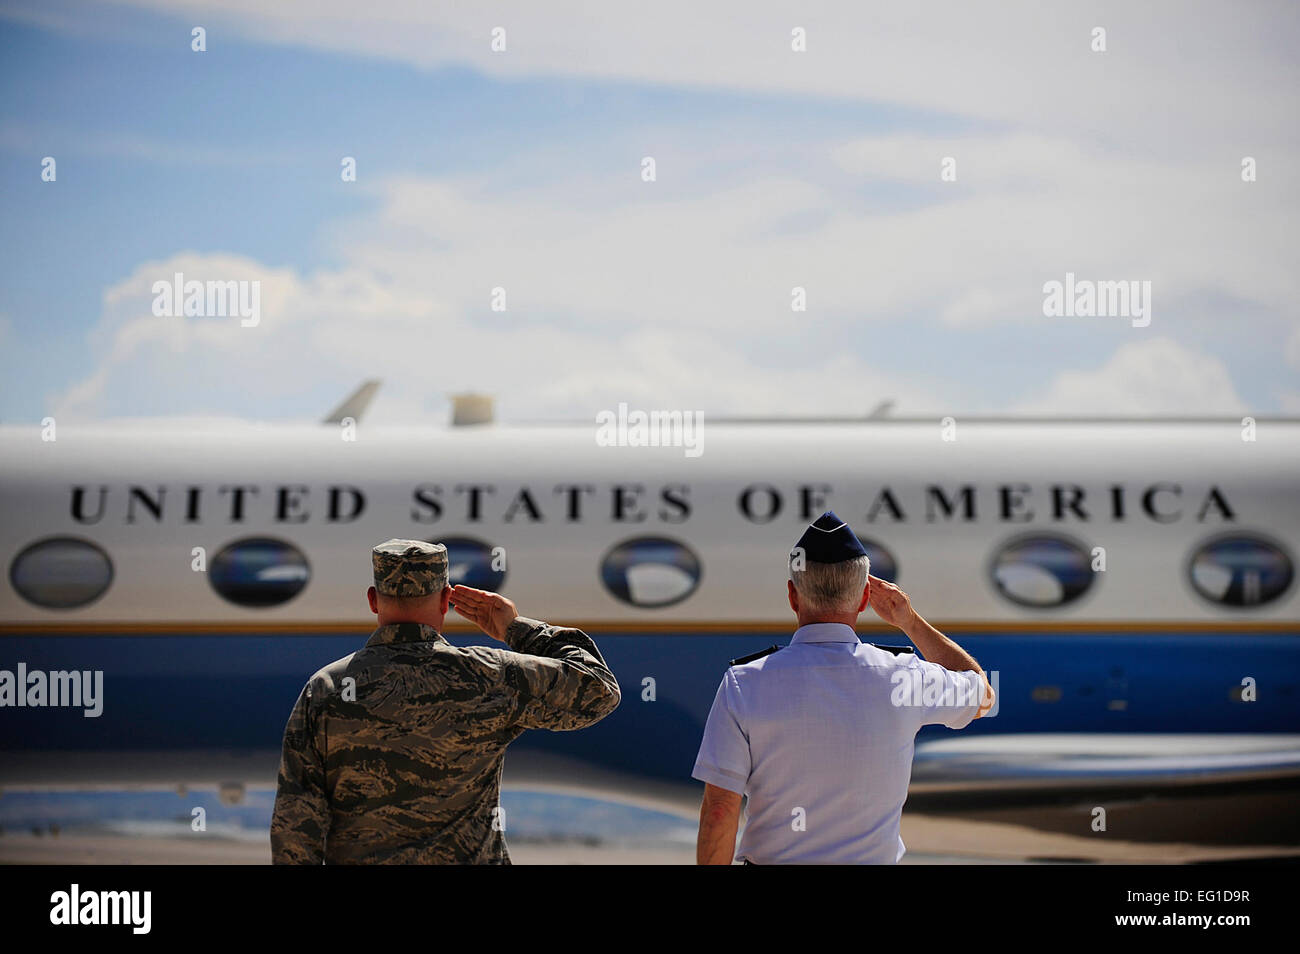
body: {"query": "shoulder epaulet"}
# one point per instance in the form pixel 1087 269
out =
pixel 741 660
pixel 896 650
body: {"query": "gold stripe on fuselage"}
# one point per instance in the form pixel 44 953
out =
pixel 270 627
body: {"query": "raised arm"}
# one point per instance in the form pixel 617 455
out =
pixel 561 677
pixel 894 607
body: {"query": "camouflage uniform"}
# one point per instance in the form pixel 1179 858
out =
pixel 402 764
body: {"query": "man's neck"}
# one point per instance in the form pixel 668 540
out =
pixel 395 620
pixel 849 620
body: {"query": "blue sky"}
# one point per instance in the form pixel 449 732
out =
pixel 523 171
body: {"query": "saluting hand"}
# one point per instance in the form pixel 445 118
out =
pixel 890 603
pixel 490 612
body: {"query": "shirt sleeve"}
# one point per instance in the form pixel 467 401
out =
pixel 300 820
pixel 562 680
pixel 724 758
pixel 945 697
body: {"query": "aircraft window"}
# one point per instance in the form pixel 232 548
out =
pixel 1046 694
pixel 61 573
pixel 1241 570
pixel 259 572
pixel 471 562
pixel 1042 570
pixel 883 564
pixel 650 572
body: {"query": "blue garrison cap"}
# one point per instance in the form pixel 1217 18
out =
pixel 829 539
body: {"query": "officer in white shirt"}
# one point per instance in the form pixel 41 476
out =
pixel 819 735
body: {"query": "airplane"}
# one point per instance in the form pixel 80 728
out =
pixel 1129 584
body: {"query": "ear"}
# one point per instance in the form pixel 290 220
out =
pixel 373 596
pixel 444 600
pixel 866 596
pixel 792 595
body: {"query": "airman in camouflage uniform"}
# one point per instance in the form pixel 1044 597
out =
pixel 394 753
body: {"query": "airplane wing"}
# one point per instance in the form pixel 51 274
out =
pixel 1026 765
pixel 1069 762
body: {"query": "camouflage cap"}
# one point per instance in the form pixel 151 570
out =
pixel 409 567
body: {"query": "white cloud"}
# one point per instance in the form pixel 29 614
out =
pixel 348 325
pixel 1173 71
pixel 685 301
pixel 1153 376
pixel 724 259
pixel 1114 166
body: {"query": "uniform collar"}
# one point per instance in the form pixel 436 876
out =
pixel 825 633
pixel 404 633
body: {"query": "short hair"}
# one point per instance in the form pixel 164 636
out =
pixel 409 601
pixel 831 587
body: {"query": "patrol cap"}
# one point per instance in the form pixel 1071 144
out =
pixel 409 567
pixel 829 539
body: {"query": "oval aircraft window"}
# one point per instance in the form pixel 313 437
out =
pixel 883 564
pixel 1043 570
pixel 1241 570
pixel 471 562
pixel 259 572
pixel 61 573
pixel 650 572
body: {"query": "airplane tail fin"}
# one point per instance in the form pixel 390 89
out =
pixel 355 404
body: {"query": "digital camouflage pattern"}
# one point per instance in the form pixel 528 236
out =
pixel 394 753
pixel 409 567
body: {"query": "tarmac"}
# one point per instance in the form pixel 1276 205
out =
pixel 1182 830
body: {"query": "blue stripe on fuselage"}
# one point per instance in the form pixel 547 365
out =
pixel 234 692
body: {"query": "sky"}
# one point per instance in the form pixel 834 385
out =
pixel 523 169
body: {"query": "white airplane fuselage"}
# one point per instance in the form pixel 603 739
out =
pixel 1118 577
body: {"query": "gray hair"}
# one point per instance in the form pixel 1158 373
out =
pixel 831 587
